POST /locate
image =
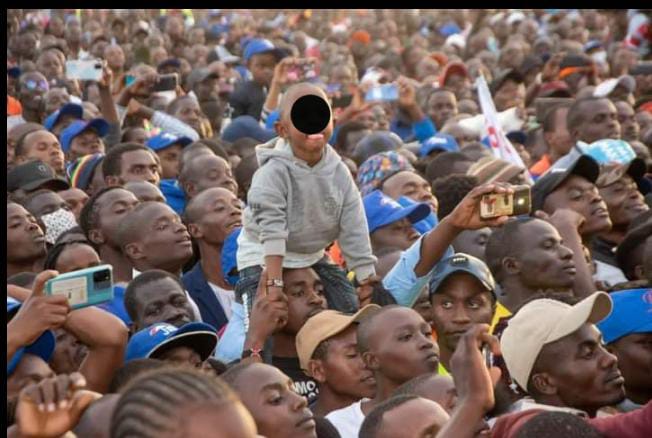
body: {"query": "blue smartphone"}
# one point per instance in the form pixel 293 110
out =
pixel 86 287
pixel 129 79
pixel 384 93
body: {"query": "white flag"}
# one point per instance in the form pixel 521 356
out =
pixel 500 145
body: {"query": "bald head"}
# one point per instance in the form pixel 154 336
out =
pixel 136 222
pixel 145 191
pixel 198 205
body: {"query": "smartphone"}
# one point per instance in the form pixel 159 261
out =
pixel 84 70
pixel 303 71
pixel 129 79
pixel 333 88
pixel 167 82
pixel 384 93
pixel 502 204
pixel 86 287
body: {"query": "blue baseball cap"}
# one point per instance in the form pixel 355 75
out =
pixel 442 142
pixel 382 210
pixel 257 46
pixel 246 126
pixel 71 109
pixel 160 337
pixel 631 313
pixel 43 347
pixel 165 139
pixel 14 72
pixel 78 126
pixel 229 260
pixel 461 262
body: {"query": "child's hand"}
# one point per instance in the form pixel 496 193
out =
pixel 269 312
pixel 365 289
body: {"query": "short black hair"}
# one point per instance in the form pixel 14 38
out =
pixel 629 253
pixel 147 277
pixel 53 254
pixel 233 373
pixel 88 218
pixel 502 243
pixel 550 117
pixel 131 370
pixel 555 423
pixel 25 202
pixel 19 149
pixel 130 226
pixel 411 387
pixel 344 131
pixel 365 327
pixel 191 149
pixel 374 420
pixel 244 174
pixel 112 163
pixel 442 164
pixel 218 146
pixel 450 190
pixel 576 113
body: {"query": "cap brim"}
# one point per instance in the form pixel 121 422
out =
pixel 592 309
pixel 414 213
pixel 435 286
pixel 586 167
pixel 101 126
pixel 194 335
pixel 636 169
pixel 43 347
pixel 56 184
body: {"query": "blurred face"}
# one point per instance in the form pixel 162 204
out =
pixel 441 107
pixel 460 301
pixel 136 135
pixel 411 185
pixel 306 147
pixel 628 125
pixel 511 94
pixel 161 301
pixel 544 262
pixel 25 239
pixel 189 112
pixel 460 84
pixel 76 257
pixel 262 68
pixel 33 87
pixel 114 57
pixel 279 412
pixel 49 63
pixel 213 171
pixel 45 203
pixel 634 353
pixel 423 306
pixel 579 194
pixel 165 243
pixel 221 214
pixel 145 191
pixel 400 234
pixel 181 356
pixel 305 294
pixel 69 353
pixel 401 346
pixel 44 146
pixel 583 373
pixel 472 242
pixel 343 369
pixel 30 370
pixel 139 165
pixel 55 99
pixel 413 419
pixel 600 121
pixel 170 161
pixel 217 420
pixel 559 140
pixel 624 201
pixel 86 143
pixel 112 207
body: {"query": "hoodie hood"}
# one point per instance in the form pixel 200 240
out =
pixel 279 149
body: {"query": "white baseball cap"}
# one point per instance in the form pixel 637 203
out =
pixel 541 322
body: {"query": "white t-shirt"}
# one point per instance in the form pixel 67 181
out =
pixel 225 297
pixel 348 420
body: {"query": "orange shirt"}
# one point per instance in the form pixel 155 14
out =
pixel 541 166
pixel 14 107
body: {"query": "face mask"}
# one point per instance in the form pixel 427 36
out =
pixel 57 223
pixel 600 57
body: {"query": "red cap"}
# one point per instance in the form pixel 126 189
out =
pixel 455 67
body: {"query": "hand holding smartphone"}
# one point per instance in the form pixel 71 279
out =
pixel 495 205
pixel 83 288
pixel 382 93
pixel 85 70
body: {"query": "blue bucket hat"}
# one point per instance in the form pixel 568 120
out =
pixel 246 126
pixel 165 139
pixel 78 126
pixel 157 338
pixel 43 347
pixel 381 210
pixel 631 313
pixel 69 109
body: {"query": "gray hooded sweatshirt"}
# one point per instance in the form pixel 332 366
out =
pixel 296 211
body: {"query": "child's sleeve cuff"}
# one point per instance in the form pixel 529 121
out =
pixel 364 272
pixel 274 247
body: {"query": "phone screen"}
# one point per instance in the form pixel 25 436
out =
pixel 84 70
pixel 166 82
pixel 384 93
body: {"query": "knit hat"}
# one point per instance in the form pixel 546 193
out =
pixel 378 168
pixel 80 172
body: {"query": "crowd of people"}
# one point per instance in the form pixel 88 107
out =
pixel 290 204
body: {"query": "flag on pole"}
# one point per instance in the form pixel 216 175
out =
pixel 500 145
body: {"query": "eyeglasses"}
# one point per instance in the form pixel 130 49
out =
pixel 33 85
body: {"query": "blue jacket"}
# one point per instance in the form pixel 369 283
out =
pixel 209 306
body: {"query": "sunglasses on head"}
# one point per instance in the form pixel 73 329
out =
pixel 33 85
